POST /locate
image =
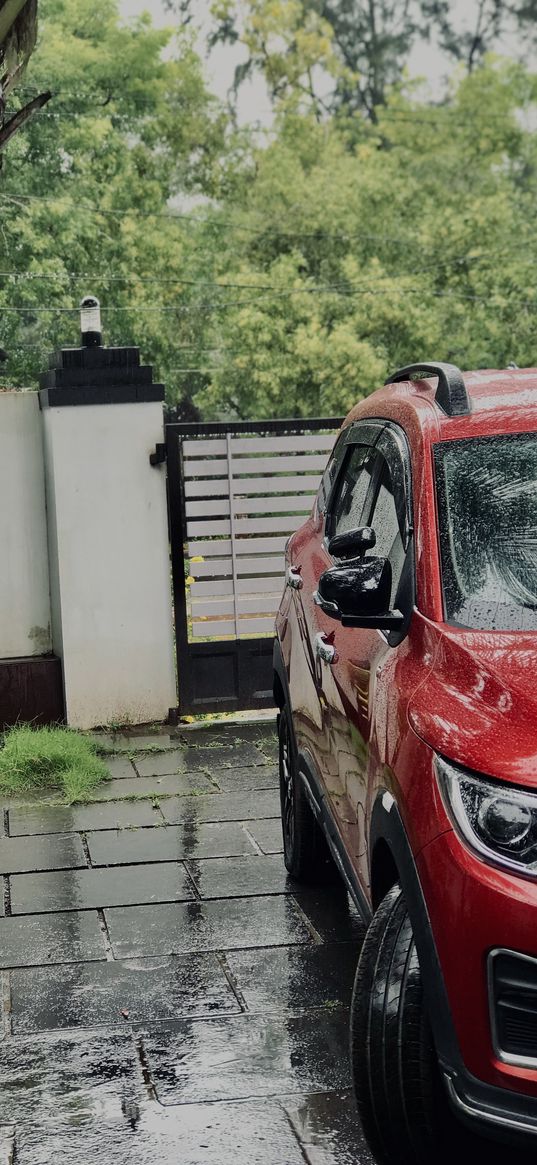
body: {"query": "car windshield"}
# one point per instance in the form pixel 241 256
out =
pixel 487 510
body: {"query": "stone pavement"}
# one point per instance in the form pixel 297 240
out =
pixel 168 994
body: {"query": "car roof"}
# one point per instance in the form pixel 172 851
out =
pixel 501 401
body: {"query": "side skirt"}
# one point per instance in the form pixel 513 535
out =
pixel 326 820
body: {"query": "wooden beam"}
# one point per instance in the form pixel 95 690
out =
pixel 9 12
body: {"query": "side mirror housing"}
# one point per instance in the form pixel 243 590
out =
pixel 358 594
pixel 353 543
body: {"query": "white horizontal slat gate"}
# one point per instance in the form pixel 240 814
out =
pixel 236 492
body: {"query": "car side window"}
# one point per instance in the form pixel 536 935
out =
pixel 385 521
pixel 347 505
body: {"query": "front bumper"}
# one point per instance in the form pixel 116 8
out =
pixel 492 1112
pixel 474 909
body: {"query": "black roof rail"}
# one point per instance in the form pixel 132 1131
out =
pixel 451 393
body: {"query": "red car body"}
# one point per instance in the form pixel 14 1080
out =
pixel 368 729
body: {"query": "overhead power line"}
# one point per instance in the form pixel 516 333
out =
pixel 217 224
pixel 160 308
pixel 343 287
pixel 412 242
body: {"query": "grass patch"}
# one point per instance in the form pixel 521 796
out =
pixel 50 758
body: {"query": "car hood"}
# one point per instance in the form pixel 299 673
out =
pixel 478 703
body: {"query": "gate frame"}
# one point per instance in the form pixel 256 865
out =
pixel 252 657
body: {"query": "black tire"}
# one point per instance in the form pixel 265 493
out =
pixel 306 853
pixel 400 1097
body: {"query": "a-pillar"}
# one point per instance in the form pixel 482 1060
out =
pixel 108 536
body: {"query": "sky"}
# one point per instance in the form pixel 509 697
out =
pixel 253 106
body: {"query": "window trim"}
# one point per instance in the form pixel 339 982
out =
pixel 390 440
pixel 364 433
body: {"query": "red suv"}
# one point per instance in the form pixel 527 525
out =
pixel 404 670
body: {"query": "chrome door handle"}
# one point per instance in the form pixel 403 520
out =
pixel 293 579
pixel 325 651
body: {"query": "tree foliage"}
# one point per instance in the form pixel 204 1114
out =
pixel 87 186
pixel 265 276
pixel 350 53
pixel 417 242
pixel 490 21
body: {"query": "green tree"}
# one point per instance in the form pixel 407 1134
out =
pixel 334 53
pixel 351 54
pixel 274 276
pixel 487 24
pixel 370 258
pixel 85 200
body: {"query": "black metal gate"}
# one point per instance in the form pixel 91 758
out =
pixel 236 492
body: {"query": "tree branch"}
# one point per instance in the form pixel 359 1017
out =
pixel 10 128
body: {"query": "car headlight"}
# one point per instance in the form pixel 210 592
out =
pixel 497 820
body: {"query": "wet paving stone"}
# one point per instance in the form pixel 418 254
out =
pixel 120 767
pixel 245 780
pixel 155 764
pixel 205 926
pixel 268 835
pixel 168 844
pixel 332 914
pixel 178 784
pixel 238 877
pixel 328 1127
pixel 228 1059
pixel 121 743
pixel 226 733
pixel 33 939
pixel 57 1084
pixel 113 815
pixel 7 1145
pixel 92 889
pixel 184 760
pixel 294 979
pixel 223 807
pixel 55 852
pixel 139 991
pixel 196 1134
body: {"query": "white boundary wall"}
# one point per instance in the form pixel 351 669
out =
pixel 109 562
pixel 24 576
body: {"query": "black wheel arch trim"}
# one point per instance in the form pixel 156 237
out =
pixel 278 668
pixel 387 826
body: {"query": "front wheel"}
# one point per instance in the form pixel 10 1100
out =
pixel 400 1096
pixel 305 850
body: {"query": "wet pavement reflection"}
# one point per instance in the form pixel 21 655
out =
pixel 169 994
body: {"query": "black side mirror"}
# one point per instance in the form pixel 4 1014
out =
pixel 353 543
pixel 359 594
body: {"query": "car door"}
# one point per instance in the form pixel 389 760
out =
pixel 313 694
pixel 304 553
pixel 349 678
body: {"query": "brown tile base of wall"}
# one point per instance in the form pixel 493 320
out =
pixel 31 690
